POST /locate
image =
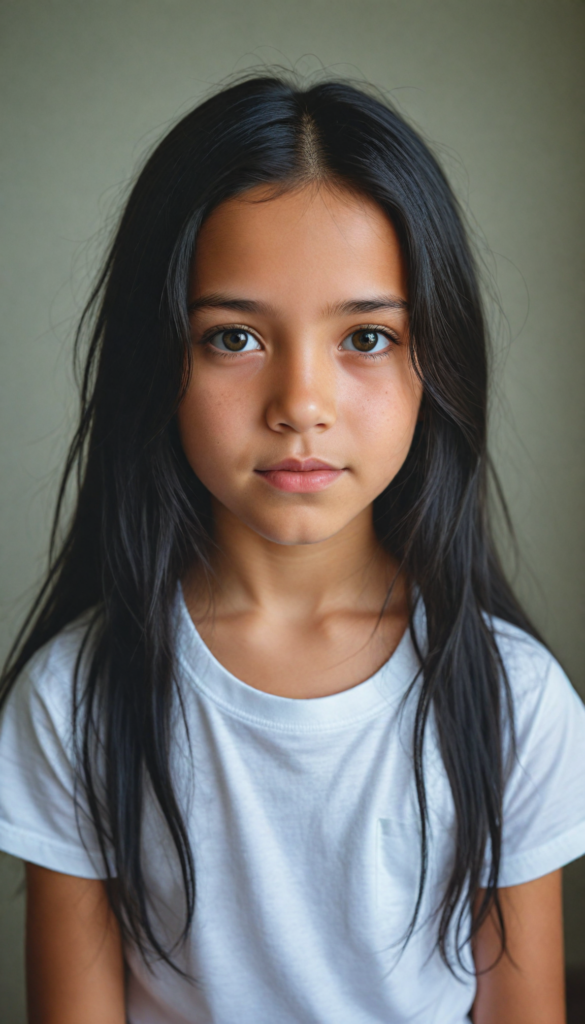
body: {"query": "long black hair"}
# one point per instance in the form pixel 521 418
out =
pixel 142 517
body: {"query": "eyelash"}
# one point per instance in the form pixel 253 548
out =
pixel 393 338
pixel 204 340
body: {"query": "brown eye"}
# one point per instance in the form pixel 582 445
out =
pixel 366 340
pixel 235 339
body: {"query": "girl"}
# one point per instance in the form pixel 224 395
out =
pixel 279 744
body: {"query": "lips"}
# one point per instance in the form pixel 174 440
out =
pixel 300 476
pixel 298 466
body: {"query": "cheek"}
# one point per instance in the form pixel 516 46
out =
pixel 211 421
pixel 383 417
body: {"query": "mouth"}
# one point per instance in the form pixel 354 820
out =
pixel 300 476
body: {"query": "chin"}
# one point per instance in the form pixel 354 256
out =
pixel 293 530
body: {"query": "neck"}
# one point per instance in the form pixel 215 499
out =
pixel 298 581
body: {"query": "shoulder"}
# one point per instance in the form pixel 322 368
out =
pixel 533 673
pixel 44 817
pixel 544 701
pixel 45 687
pixel 544 803
pixel 526 660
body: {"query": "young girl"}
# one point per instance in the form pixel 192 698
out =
pixel 279 745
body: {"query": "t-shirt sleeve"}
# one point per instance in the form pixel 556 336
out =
pixel 43 819
pixel 544 803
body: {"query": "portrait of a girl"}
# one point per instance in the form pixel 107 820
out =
pixel 278 743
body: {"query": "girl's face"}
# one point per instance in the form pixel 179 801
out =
pixel 303 401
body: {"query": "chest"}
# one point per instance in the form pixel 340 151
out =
pixel 306 846
pixel 307 660
pixel 324 819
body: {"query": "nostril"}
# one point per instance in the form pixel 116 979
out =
pixel 300 413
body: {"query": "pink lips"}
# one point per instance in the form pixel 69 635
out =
pixel 300 475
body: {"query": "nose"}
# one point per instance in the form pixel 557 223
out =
pixel 302 391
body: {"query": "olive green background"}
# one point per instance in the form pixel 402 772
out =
pixel 498 89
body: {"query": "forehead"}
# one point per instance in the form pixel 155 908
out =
pixel 314 244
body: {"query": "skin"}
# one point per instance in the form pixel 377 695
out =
pixel 528 986
pixel 74 961
pixel 299 578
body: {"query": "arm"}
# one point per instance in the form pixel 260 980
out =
pixel 531 989
pixel 74 960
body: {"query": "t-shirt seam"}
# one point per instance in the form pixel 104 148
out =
pixel 508 859
pixel 277 726
pixel 54 844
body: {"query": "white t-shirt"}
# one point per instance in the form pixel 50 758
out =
pixel 304 827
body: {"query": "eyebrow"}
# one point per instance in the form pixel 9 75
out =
pixel 348 308
pixel 216 301
pixel 379 302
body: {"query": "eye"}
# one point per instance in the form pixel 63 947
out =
pixel 234 339
pixel 367 340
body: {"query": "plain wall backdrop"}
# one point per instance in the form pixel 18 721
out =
pixel 497 86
